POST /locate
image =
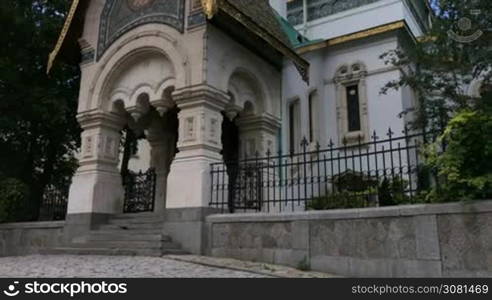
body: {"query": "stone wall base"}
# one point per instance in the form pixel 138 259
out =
pixel 444 240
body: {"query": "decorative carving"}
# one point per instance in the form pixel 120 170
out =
pixel 119 17
pixel 190 128
pixel 109 147
pixel 136 5
pixel 213 130
pixel 88 147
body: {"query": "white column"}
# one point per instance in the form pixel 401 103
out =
pixel 96 187
pixel 162 149
pixel 200 129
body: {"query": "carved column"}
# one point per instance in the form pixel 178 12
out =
pixel 162 140
pixel 96 187
pixel 200 129
pixel 258 134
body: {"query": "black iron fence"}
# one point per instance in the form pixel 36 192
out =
pixel 380 171
pixel 139 191
pixel 54 202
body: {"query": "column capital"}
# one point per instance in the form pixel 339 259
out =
pixel 200 96
pixel 97 119
pixel 264 122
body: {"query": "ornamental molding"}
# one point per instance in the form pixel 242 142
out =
pixel 119 17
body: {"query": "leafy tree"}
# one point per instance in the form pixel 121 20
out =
pixel 440 68
pixel 38 128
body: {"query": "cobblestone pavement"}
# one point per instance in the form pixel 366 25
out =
pixel 67 266
pixel 255 267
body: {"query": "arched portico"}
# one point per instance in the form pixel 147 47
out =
pixel 136 94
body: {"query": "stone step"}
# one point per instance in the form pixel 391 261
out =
pixel 131 221
pixel 117 244
pixel 122 236
pixel 114 230
pixel 126 226
pixel 103 251
pixel 136 216
pixel 131 235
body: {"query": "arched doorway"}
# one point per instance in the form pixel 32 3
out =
pixel 140 91
pixel 248 132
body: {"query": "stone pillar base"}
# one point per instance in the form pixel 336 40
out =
pixel 189 182
pixel 96 192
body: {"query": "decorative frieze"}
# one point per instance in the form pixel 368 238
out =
pixel 196 19
pixel 119 17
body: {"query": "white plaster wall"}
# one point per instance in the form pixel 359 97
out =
pixel 141 160
pixel 361 18
pixel 383 109
pixel 225 56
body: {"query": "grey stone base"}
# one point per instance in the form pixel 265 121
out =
pixel 187 227
pixel 80 224
pixel 18 239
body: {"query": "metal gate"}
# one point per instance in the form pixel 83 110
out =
pixel 246 189
pixel 139 191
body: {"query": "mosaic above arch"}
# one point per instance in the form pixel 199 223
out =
pixel 120 16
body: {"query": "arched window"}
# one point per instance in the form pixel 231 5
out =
pixel 352 112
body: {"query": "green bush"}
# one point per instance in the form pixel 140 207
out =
pixel 339 200
pixel 14 197
pixel 465 164
pixel 391 191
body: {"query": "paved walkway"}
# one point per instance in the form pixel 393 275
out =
pixel 69 266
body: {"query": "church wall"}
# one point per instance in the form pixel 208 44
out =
pixel 324 64
pixel 225 56
pixel 361 18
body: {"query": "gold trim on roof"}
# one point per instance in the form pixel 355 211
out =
pixel 210 8
pixel 352 37
pixel 63 35
pixel 301 64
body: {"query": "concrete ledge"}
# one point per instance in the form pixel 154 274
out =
pixel 358 213
pixel 33 225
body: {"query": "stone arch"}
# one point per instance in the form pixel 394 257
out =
pixel 134 44
pixel 255 75
pixel 247 92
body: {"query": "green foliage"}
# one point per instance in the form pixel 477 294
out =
pixel 340 200
pixel 391 191
pixel 38 129
pixel 13 200
pixel 466 163
pixel 439 69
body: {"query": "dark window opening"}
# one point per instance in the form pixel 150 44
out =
pixel 312 107
pixel 353 108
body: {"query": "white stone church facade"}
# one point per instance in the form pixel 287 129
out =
pixel 179 71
